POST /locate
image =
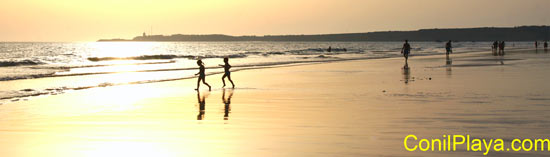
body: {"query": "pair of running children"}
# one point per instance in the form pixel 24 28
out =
pixel 202 75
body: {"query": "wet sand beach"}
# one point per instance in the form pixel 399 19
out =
pixel 347 108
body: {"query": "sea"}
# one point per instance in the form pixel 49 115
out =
pixel 29 69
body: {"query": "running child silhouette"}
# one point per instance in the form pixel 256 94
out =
pixel 202 75
pixel 227 73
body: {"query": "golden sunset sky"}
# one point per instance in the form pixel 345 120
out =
pixel 89 20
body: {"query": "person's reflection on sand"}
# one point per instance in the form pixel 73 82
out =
pixel 449 65
pixel 202 105
pixel 406 73
pixel 227 103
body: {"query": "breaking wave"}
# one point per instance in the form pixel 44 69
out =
pixel 19 63
pixel 164 57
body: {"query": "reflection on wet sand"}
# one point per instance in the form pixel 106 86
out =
pixel 406 73
pixel 501 60
pixel 227 103
pixel 202 105
pixel 449 65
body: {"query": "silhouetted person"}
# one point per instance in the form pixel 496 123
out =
pixel 449 47
pixel 202 75
pixel 545 45
pixel 536 45
pixel 495 47
pixel 406 73
pixel 202 105
pixel 227 104
pixel 406 50
pixel 227 73
pixel 329 49
pixel 501 47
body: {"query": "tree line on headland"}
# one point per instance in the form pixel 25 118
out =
pixel 522 33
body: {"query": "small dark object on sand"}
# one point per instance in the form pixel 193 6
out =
pixel 27 90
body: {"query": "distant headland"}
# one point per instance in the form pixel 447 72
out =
pixel 521 33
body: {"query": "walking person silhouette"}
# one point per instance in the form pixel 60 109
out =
pixel 202 75
pixel 449 47
pixel 406 50
pixel 227 73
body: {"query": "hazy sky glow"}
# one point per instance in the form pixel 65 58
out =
pixel 89 20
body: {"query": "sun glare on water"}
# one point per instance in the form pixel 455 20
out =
pixel 122 49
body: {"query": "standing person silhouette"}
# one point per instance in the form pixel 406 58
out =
pixel 202 75
pixel 495 47
pixel 536 45
pixel 501 48
pixel 545 45
pixel 406 50
pixel 449 47
pixel 227 73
